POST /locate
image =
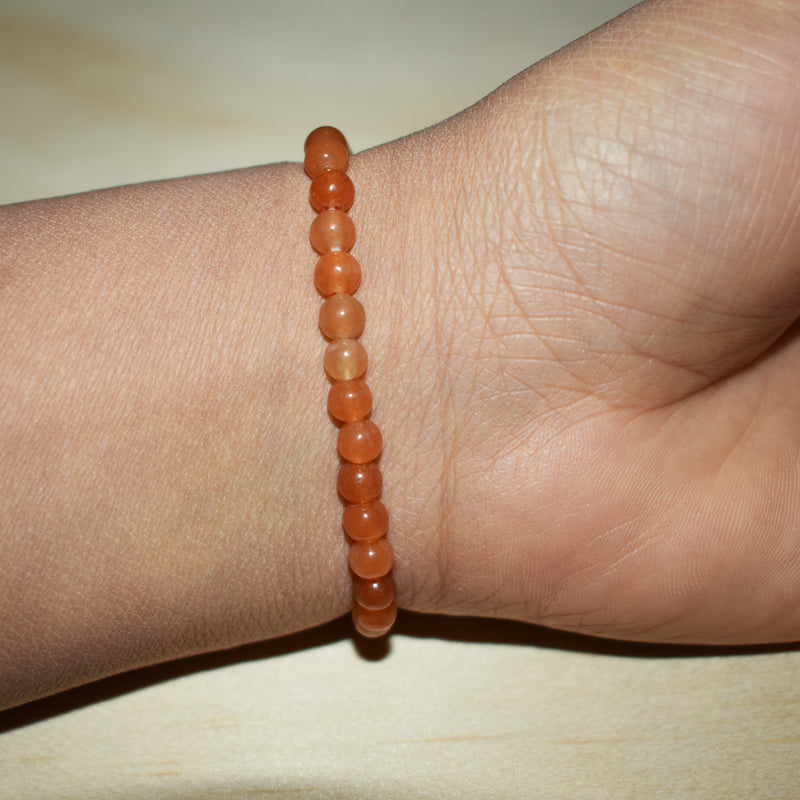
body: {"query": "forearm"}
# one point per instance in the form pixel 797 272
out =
pixel 167 465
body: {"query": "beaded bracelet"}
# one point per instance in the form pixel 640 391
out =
pixel 337 275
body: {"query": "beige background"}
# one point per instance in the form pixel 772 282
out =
pixel 98 93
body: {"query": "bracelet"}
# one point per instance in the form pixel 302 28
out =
pixel 337 275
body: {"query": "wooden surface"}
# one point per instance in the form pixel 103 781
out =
pixel 95 94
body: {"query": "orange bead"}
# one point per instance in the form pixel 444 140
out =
pixel 374 595
pixel 345 359
pixel 341 316
pixel 325 154
pixel 350 400
pixel 359 483
pixel 337 272
pixel 371 560
pixel 359 442
pixel 324 132
pixel 331 189
pixel 365 522
pixel 332 230
pixel 374 623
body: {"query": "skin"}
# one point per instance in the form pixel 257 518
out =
pixel 581 296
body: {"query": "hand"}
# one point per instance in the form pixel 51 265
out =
pixel 581 298
pixel 611 421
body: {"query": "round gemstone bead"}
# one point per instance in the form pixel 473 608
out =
pixel 345 359
pixel 370 560
pixel 324 132
pixel 325 153
pixel 359 442
pixel 349 400
pixel 359 483
pixel 365 522
pixel 332 230
pixel 374 595
pixel 341 316
pixel 374 623
pixel 331 189
pixel 337 272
